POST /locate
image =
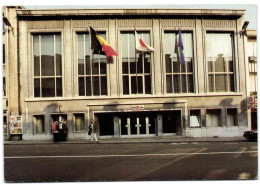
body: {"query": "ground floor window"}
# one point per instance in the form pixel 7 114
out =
pixel 39 125
pixel 213 117
pixel 195 118
pixel 232 117
pixel 79 121
pixel 5 123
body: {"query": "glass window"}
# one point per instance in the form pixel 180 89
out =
pixel 92 68
pixel 220 62
pixel 3 53
pixel 136 67
pixel 4 86
pixel 79 122
pixel 213 117
pixel 39 124
pixel 179 77
pixel 232 117
pixel 195 118
pixel 47 65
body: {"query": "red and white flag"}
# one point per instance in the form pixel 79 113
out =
pixel 140 46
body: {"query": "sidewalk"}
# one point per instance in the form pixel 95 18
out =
pixel 159 139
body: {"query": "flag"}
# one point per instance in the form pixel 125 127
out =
pixel 181 48
pixel 140 46
pixel 100 44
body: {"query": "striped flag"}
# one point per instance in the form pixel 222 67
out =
pixel 100 44
pixel 181 48
pixel 140 46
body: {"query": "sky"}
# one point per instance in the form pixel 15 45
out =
pixel 250 6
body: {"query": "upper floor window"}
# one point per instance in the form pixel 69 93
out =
pixel 220 61
pixel 179 77
pixel 92 68
pixel 47 59
pixel 136 67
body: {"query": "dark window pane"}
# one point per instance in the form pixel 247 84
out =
pixel 230 66
pixel 133 85
pixel 183 67
pixel 219 64
pixel 177 84
pixel 88 86
pixel 147 84
pixel 139 63
pixel 211 83
pixel 103 85
pixel 88 68
pixel 210 66
pixel 231 83
pixel 169 83
pixel 47 55
pixel 58 54
pixel 80 54
pixel 48 87
pixel 140 84
pixel 95 64
pixel 132 67
pixel 36 54
pixel 81 67
pixel 4 87
pixel 96 89
pixel 221 83
pixel 190 84
pixel 103 67
pixel 183 81
pixel 125 85
pixel 3 53
pixel 81 86
pixel 36 87
pixel 59 86
pixel 176 67
pixel 147 62
pixel 125 67
pixel 168 63
pixel 189 65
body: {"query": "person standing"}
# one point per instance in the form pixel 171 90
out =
pixel 92 131
pixel 65 130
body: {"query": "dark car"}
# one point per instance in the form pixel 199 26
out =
pixel 251 135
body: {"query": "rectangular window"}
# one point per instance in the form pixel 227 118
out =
pixel 4 86
pixel 220 59
pixel 179 77
pixel 232 117
pixel 92 68
pixel 39 124
pixel 47 65
pixel 3 53
pixel 79 122
pixel 195 118
pixel 213 117
pixel 136 67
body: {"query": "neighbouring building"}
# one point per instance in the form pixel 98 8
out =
pixel 48 62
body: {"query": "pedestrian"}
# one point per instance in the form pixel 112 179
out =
pixel 55 132
pixel 92 131
pixel 65 130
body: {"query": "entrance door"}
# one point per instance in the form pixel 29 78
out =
pixel 136 123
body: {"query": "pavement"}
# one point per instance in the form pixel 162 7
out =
pixel 158 139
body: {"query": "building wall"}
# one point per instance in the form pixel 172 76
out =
pixel 159 100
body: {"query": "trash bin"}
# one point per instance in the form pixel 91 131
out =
pixel 56 136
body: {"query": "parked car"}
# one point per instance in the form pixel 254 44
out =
pixel 251 135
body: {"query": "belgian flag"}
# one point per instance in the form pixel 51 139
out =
pixel 100 44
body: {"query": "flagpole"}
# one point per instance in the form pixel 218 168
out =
pixel 136 81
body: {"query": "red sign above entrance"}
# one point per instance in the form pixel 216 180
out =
pixel 137 107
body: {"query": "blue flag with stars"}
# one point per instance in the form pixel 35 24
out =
pixel 181 48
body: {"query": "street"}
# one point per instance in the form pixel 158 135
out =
pixel 130 162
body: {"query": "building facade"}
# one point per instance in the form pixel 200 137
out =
pixel 50 63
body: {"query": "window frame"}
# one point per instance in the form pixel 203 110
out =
pixel 200 116
pixel 34 123
pixel 76 31
pixel 234 57
pixel 191 30
pixel 120 63
pixel 236 116
pixel 31 33
pixel 220 118
pixel 74 122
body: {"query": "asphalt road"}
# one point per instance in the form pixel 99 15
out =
pixel 130 162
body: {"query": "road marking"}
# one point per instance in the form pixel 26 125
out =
pixel 130 155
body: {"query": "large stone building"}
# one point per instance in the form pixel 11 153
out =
pixel 49 62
